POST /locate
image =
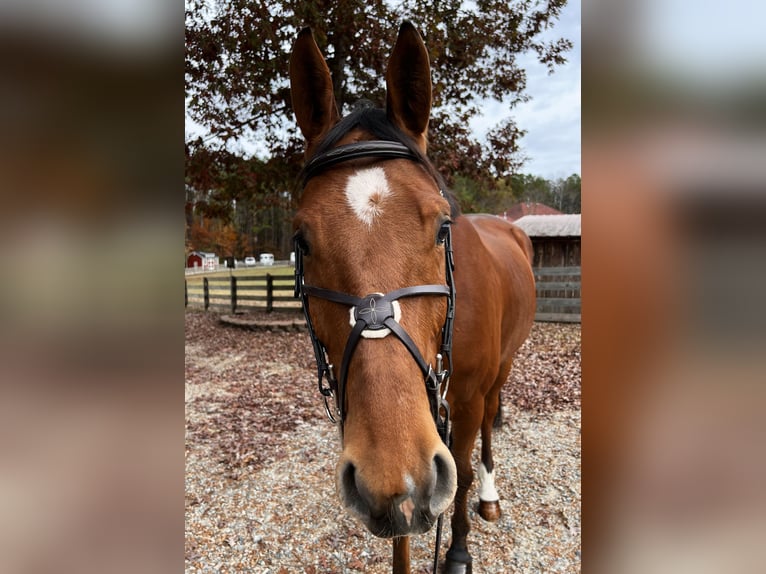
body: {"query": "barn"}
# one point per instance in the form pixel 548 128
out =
pixel 200 260
pixel 556 240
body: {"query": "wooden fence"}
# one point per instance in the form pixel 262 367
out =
pixel 558 294
pixel 234 294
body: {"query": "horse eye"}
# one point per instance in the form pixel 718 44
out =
pixel 301 243
pixel 441 237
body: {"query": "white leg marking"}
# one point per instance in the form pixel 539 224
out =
pixel 365 192
pixel 487 491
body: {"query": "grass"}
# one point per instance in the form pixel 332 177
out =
pixel 276 270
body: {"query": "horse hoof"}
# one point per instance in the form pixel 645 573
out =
pixel 453 567
pixel 457 562
pixel 489 511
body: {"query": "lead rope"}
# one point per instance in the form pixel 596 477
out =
pixel 442 426
pixel 440 520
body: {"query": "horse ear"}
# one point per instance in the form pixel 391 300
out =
pixel 311 89
pixel 408 85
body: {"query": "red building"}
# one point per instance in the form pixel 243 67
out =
pixel 521 209
pixel 201 260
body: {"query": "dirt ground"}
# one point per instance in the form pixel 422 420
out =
pixel 260 462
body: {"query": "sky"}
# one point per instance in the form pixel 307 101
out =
pixel 704 41
pixel 552 116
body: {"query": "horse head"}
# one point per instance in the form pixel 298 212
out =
pixel 369 225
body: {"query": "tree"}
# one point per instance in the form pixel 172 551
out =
pixel 571 194
pixel 234 205
pixel 477 197
pixel 237 60
pixel 530 188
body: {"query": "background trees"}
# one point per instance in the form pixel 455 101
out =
pixel 241 171
pixel 502 193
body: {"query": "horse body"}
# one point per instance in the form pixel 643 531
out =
pixel 369 227
pixel 495 312
pixel 495 257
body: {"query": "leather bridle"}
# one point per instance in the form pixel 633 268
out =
pixel 376 311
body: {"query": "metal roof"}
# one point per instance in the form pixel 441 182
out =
pixel 567 225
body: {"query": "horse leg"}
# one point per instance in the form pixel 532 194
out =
pixel 465 426
pixel 401 555
pixel 489 500
pixel 498 422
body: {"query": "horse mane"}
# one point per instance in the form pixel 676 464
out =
pixel 375 121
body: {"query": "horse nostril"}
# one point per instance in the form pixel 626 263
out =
pixel 445 482
pixel 352 490
pixel 349 490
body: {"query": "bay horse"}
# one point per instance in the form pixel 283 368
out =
pixel 377 235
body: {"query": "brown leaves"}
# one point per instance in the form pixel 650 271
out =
pixel 546 372
pixel 259 386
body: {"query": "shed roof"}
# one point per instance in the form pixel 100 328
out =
pixel 519 210
pixel 567 225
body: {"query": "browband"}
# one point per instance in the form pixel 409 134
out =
pixel 372 148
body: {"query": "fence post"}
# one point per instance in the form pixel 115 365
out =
pixel 269 292
pixel 206 292
pixel 233 290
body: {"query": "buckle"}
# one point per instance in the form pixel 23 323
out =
pixel 328 392
pixel 334 417
pixel 442 375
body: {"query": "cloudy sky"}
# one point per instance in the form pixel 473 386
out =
pixel 552 116
pixel 705 41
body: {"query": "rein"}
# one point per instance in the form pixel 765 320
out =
pixel 376 311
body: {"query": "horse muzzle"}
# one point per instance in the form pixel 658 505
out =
pixel 406 509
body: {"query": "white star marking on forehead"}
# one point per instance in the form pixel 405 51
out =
pixel 365 192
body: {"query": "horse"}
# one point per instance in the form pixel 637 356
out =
pixel 400 289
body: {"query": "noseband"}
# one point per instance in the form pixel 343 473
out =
pixel 376 311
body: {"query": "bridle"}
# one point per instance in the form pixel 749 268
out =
pixel 376 311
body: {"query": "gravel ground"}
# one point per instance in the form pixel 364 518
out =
pixel 260 457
